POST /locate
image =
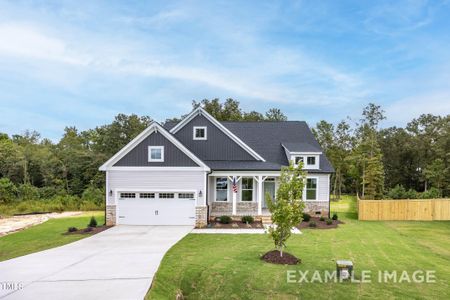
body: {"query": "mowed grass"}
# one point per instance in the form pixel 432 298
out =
pixel 229 266
pixel 45 236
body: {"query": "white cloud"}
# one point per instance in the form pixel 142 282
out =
pixel 403 111
pixel 256 80
pixel 25 41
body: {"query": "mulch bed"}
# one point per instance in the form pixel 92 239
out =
pixel 89 230
pixel 274 257
pixel 235 225
pixel 319 224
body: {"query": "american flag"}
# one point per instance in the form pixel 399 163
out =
pixel 235 188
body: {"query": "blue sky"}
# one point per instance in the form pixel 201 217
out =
pixel 79 63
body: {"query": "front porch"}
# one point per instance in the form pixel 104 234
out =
pixel 241 194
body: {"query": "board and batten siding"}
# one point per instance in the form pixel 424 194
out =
pixel 159 181
pixel 173 157
pixel 217 146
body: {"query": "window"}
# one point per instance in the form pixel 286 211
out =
pixel 298 159
pixel 127 195
pixel 146 195
pixel 200 133
pixel 311 189
pixel 186 195
pixel 247 189
pixel 221 189
pixel 311 160
pixel 156 153
pixel 167 195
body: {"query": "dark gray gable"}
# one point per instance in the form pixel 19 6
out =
pixel 218 146
pixel 138 156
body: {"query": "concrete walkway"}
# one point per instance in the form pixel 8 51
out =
pixel 118 263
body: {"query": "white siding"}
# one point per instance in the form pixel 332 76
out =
pixel 158 181
pixel 323 188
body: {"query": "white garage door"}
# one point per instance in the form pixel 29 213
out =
pixel 156 208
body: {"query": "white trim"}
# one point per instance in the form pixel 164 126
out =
pixel 150 159
pixel 194 131
pixel 157 169
pixel 246 173
pixel 201 111
pixel 253 189
pixel 107 200
pixel 215 190
pixel 317 189
pixel 154 127
pixel 305 153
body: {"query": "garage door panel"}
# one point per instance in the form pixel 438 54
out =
pixel 155 211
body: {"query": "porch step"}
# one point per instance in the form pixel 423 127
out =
pixel 266 220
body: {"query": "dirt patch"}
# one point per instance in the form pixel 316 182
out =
pixel 274 257
pixel 88 230
pixel 235 225
pixel 319 224
pixel 21 222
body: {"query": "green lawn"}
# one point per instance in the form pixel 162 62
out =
pixel 228 266
pixel 45 236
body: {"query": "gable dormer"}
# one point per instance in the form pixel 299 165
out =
pixel 308 154
pixel 210 140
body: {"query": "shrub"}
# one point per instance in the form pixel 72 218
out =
pixel 306 217
pixel 47 192
pixel 225 219
pixel 92 222
pixel 312 224
pixel 335 216
pixel 8 191
pixel 411 194
pixel 65 202
pixel 430 194
pixel 88 229
pixel 398 192
pixel 247 219
pixel 28 192
pixel 322 219
pixel 329 221
pixel 88 206
pixel 72 229
pixel 94 195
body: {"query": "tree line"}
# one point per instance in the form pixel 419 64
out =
pixel 393 162
pixel 367 159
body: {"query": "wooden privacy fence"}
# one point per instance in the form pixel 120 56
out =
pixel 408 209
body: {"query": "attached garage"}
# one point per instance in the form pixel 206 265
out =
pixel 156 207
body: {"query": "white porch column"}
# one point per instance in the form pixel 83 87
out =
pixel 260 194
pixel 235 180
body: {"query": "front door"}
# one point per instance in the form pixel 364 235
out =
pixel 269 187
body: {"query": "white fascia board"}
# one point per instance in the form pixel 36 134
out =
pixel 154 127
pixel 301 153
pixel 158 169
pixel 305 153
pixel 201 111
pixel 245 173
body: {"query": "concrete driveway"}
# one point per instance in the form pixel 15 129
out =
pixel 118 263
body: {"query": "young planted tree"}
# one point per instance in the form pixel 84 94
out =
pixel 287 209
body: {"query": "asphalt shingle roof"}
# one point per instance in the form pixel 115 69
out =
pixel 267 139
